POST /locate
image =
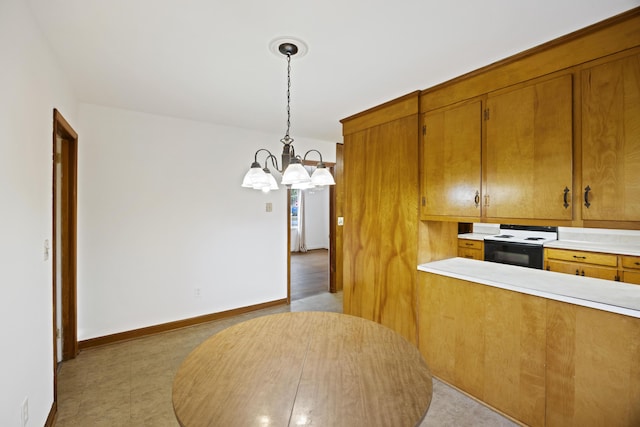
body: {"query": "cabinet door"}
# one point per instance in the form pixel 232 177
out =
pixel 529 151
pixel 631 277
pixel 611 141
pixel 451 163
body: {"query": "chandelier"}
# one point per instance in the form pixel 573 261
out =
pixel 294 174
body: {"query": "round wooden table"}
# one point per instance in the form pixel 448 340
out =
pixel 304 368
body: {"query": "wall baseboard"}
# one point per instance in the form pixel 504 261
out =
pixel 170 326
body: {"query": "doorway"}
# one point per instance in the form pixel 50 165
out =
pixel 64 244
pixel 312 271
pixel 309 242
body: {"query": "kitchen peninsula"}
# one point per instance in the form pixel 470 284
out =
pixel 544 348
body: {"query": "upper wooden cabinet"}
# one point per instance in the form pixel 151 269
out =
pixel 525 160
pixel 611 140
pixel 451 174
pixel 528 161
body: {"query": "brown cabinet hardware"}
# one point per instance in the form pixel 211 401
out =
pixel 586 196
pixel 566 202
pixel 477 199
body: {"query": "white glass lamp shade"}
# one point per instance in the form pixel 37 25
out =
pixel 321 176
pixel 273 185
pixel 303 185
pixel 255 178
pixel 295 173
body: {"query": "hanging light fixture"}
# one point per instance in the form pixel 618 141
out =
pixel 293 172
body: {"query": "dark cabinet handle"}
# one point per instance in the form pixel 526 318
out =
pixel 566 202
pixel 582 273
pixel 579 257
pixel 637 263
pixel 577 272
pixel 477 199
pixel 586 196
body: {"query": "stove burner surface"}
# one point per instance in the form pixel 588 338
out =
pixel 534 238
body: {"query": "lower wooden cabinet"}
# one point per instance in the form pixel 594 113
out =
pixel 580 269
pixel 622 268
pixel 472 249
pixel 630 269
pixel 542 362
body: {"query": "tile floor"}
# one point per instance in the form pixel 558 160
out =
pixel 129 383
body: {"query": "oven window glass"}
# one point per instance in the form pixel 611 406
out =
pixel 511 258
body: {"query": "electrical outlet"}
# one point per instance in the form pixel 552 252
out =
pixel 269 207
pixel 196 292
pixel 25 411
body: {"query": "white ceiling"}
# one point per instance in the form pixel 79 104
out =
pixel 209 60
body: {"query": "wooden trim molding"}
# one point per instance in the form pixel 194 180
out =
pixel 618 33
pixel 398 108
pixel 170 326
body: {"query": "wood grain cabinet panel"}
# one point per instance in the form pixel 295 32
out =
pixel 611 140
pixel 543 362
pixel 485 341
pixel 380 232
pixel 529 151
pixel 593 374
pixel 451 162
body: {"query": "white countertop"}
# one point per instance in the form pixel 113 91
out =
pixel 607 295
pixel 473 236
pixel 606 247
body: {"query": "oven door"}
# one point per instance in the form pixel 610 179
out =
pixel 522 254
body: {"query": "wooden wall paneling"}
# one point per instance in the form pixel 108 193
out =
pixel 359 269
pixel 381 216
pixel 593 374
pixel 389 111
pixel 437 240
pixel 470 338
pixel 514 370
pixel 398 228
pixel 437 325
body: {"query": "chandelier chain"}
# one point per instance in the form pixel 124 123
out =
pixel 286 137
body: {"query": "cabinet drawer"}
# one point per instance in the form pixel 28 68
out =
pixel 580 269
pixel 470 244
pixel 471 253
pixel 583 257
pixel 630 262
pixel 631 277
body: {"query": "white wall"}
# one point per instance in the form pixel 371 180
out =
pixel 162 213
pixel 317 218
pixel 31 85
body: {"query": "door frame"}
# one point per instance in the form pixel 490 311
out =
pixel 68 255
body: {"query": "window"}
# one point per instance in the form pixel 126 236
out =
pixel 295 194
